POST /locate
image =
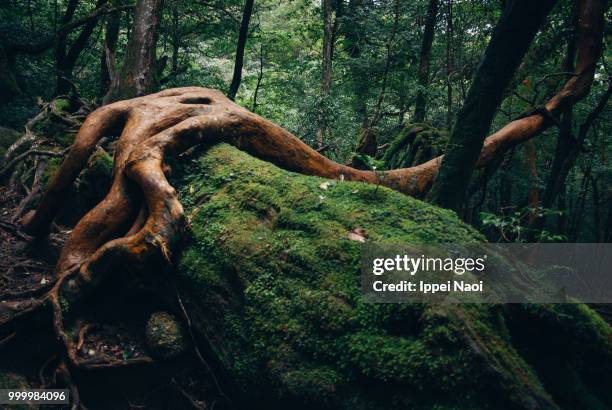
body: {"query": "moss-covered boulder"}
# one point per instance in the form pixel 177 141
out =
pixel 54 125
pixel 271 280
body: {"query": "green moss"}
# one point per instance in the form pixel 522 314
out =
pixel 165 336
pixel 272 281
pixel 414 144
pixel 95 180
pixel 15 381
pixel 62 105
pixel 51 168
pixel 53 126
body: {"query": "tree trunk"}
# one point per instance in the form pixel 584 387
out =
pixel 259 78
pixel 242 39
pixel 138 73
pixel 176 39
pixel 66 59
pixel 108 63
pixel 565 139
pixel 60 47
pixel 562 206
pixel 510 40
pixel 353 34
pixel 567 150
pixel 599 230
pixel 449 64
pixel 425 55
pixel 533 194
pixel 10 86
pixel 10 81
pixel 607 236
pixel 580 203
pixel 368 143
pixel 326 70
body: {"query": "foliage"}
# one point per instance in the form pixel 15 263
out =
pixel 511 227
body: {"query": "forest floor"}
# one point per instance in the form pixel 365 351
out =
pixel 31 349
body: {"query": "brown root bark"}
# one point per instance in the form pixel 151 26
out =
pixel 140 223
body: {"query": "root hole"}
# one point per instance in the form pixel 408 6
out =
pixel 196 100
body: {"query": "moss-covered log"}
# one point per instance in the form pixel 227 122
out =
pixel 414 144
pixel 271 281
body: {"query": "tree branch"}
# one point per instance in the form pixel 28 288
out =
pixel 47 43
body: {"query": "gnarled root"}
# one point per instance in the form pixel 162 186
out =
pixel 140 222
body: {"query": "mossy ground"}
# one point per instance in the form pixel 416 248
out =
pixel 272 281
pixel 164 335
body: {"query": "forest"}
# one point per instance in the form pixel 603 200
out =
pixel 187 188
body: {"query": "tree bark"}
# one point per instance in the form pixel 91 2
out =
pixel 533 194
pixel 597 213
pixel 567 150
pixel 565 139
pixel 607 231
pixel 242 40
pixel 511 38
pixel 353 35
pixel 60 47
pixel 580 203
pixel 259 78
pixel 425 56
pixel 138 72
pixel 176 39
pixel 326 69
pixel 449 63
pixel 108 62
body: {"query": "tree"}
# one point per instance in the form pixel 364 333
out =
pixel 326 70
pixel 368 143
pixel 242 40
pixel 424 57
pixel 139 71
pixel 13 46
pixel 354 34
pixel 513 34
pixel 108 60
pixel 66 57
pixel 449 63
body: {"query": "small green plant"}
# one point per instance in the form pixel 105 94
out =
pixel 514 226
pixel 380 176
